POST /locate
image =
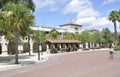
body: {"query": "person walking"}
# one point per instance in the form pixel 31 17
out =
pixel 111 51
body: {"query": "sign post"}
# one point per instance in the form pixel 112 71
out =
pixel 40 48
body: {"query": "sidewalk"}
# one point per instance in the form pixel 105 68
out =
pixel 8 61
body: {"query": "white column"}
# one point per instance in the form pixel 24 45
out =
pixel 97 45
pixel 31 45
pixel 90 44
pixel 4 49
pixel 93 45
pixel 48 51
pixel 53 45
pixel 86 45
pixel 20 48
pixel 4 44
pixel 81 45
pixel 60 48
pixel 40 47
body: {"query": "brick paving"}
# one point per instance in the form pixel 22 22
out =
pixel 88 64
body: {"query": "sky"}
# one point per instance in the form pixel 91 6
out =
pixel 88 13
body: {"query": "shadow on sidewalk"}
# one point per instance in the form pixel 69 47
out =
pixel 10 59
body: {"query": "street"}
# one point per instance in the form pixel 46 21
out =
pixel 81 64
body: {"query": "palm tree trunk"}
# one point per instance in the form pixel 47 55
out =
pixel 16 47
pixel 115 29
pixel 38 52
pixel 29 45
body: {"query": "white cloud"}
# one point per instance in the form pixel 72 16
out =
pixel 52 5
pixel 88 13
pixel 87 21
pixel 83 8
pixel 76 6
pixel 94 22
pixel 109 1
pixel 85 13
pixel 102 21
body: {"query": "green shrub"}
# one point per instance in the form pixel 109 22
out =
pixel 11 48
pixel 117 48
pixel 25 47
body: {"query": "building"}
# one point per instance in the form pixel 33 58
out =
pixel 71 27
pixel 92 30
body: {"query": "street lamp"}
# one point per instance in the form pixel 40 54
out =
pixel 39 49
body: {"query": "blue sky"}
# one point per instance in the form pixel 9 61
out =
pixel 89 13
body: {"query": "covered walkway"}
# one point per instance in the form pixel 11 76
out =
pixel 56 45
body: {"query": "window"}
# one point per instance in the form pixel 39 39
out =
pixel 25 38
pixel 76 28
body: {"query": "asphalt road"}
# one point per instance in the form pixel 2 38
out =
pixel 88 64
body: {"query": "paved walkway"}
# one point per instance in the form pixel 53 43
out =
pixel 8 61
pixel 89 64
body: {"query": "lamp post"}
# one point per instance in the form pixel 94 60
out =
pixel 39 49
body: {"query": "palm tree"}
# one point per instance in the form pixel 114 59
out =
pixel 16 23
pixel 5 31
pixel 39 37
pixel 28 3
pixel 113 16
pixel 119 17
pixel 68 35
pixel 27 33
pixel 54 34
pixel 4 16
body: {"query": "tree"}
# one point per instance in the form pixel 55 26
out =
pixel 39 37
pixel 119 38
pixel 113 16
pixel 15 22
pixel 68 35
pixel 28 3
pixel 54 34
pixel 119 16
pixel 84 37
pixel 107 36
pixel 27 33
pixel 97 37
pixel 5 31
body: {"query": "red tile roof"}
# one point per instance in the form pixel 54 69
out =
pixel 62 41
pixel 71 23
pixel 93 29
